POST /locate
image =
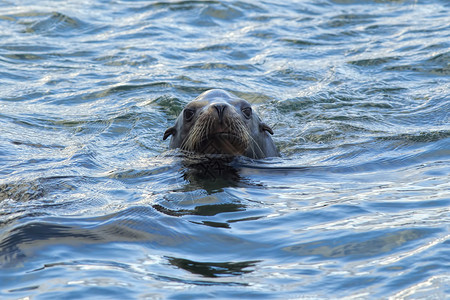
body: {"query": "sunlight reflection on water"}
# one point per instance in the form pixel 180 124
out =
pixel 93 205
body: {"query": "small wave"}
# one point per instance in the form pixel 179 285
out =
pixel 419 137
pixel 56 24
pixel 220 66
pixel 361 246
pixel 373 61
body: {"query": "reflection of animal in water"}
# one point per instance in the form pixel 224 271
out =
pixel 217 122
pixel 214 269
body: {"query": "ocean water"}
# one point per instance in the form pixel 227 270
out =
pixel 93 205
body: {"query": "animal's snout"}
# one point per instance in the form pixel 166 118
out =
pixel 220 107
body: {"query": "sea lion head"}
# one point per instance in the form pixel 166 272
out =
pixel 217 122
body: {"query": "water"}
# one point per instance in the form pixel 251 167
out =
pixel 92 205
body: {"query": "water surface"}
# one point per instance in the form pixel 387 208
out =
pixel 92 203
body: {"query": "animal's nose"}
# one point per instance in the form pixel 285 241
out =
pixel 220 110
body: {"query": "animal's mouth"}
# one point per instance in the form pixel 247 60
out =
pixel 223 135
pixel 222 143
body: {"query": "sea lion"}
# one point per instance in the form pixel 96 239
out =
pixel 217 122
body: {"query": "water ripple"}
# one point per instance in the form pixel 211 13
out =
pixel 93 205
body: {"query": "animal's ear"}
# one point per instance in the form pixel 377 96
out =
pixel 265 127
pixel 169 132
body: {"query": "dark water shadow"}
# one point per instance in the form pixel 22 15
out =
pixel 214 269
pixel 201 210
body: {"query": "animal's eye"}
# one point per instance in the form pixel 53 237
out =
pixel 188 114
pixel 247 111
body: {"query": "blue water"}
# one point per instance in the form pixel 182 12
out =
pixel 94 206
